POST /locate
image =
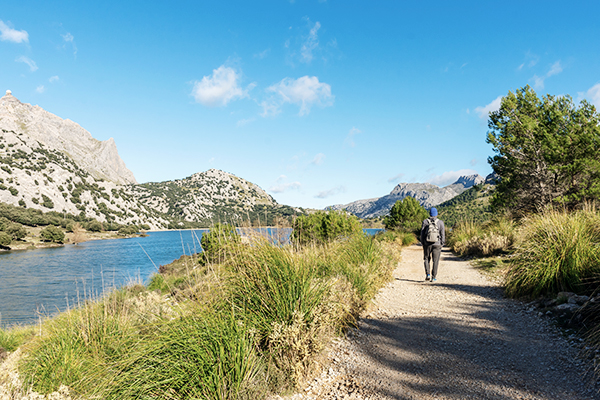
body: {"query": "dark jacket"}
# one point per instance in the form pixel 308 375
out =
pixel 425 228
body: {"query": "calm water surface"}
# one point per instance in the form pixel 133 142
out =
pixel 41 282
pixel 34 282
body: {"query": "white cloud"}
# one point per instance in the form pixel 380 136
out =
pixel 305 91
pixel 219 88
pixel 32 65
pixel 319 159
pixel 530 60
pixel 396 178
pixel 243 122
pixel 350 138
pixel 331 192
pixel 53 78
pixel 593 95
pixel 473 162
pixel 555 69
pixel 7 34
pixel 310 44
pixel 40 89
pixel 68 38
pixel 262 54
pixel 493 106
pixel 281 185
pixel 450 177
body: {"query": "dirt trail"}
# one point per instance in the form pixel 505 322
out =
pixel 457 338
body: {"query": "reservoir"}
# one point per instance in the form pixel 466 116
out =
pixel 42 282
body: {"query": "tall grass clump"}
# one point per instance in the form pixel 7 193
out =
pixel 402 238
pixel 13 337
pixel 470 238
pixel 557 251
pixel 205 353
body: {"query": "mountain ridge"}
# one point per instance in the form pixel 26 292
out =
pixel 427 194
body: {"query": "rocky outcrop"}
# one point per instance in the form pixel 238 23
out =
pixel 53 164
pixel 426 194
pixel 33 124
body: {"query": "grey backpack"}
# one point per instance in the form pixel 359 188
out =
pixel 433 232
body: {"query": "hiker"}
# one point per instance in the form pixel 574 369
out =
pixel 433 238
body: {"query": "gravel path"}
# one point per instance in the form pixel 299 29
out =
pixel 457 338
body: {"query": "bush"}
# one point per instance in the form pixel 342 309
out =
pixel 557 251
pixel 5 239
pixel 128 230
pixel 215 242
pixel 321 227
pixel 17 231
pixel 94 226
pixel 52 234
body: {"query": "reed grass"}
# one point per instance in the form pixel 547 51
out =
pixel 470 238
pixel 557 251
pixel 252 325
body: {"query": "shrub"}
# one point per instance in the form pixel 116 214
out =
pixel 52 234
pixel 215 242
pixel 16 230
pixel 94 226
pixel 5 239
pixel 47 202
pixel 128 230
pixel 557 251
pixel 321 227
pixel 469 238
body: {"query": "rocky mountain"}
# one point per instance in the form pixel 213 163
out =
pixel 53 164
pixel 427 194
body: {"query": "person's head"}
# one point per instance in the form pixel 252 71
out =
pixel 433 212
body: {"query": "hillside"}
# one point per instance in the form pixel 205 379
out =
pixel 473 204
pixel 51 164
pixel 427 194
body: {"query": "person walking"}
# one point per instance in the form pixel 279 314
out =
pixel 433 238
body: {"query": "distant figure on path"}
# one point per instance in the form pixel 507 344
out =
pixel 433 238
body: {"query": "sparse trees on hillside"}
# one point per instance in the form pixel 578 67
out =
pixel 547 151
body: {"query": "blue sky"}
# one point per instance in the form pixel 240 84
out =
pixel 319 102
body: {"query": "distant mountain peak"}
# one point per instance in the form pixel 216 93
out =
pixel 470 180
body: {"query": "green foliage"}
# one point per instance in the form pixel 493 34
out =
pixel 406 214
pixel 129 230
pixel 47 202
pixel 52 234
pixel 16 230
pixel 12 338
pixel 473 205
pixel 5 239
pixel 321 227
pixel 558 251
pixel 472 238
pixel 216 241
pixel 401 237
pixel 22 203
pixel 94 226
pixel 13 191
pixel 530 137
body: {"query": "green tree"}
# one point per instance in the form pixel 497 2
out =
pixel 406 214
pixel 5 239
pixel 324 226
pixel 547 151
pixel 16 231
pixel 94 226
pixel 52 234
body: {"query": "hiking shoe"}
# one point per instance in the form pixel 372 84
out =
pixel 428 277
pixel 434 280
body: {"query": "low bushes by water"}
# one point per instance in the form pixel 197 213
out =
pixel 253 324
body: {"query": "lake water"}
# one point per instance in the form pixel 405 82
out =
pixel 41 282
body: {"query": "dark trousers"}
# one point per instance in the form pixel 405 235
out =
pixel 432 251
